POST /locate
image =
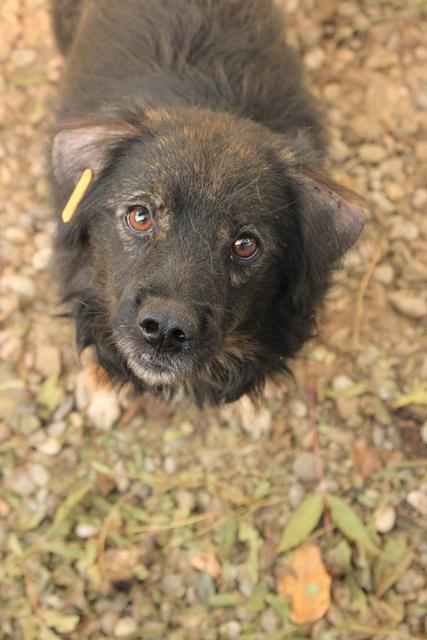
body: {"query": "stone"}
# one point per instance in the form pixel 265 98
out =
pixel 295 495
pixel 231 629
pixel 23 286
pixel 404 230
pixel 85 530
pixel 341 383
pixel 423 433
pixel 418 500
pixel 172 585
pixel 20 481
pixel 47 360
pixel 394 192
pixel 255 421
pixel 39 474
pixel 408 305
pixel 373 153
pixel 49 446
pixel 384 519
pixel 125 627
pixel 297 409
pixel 411 582
pixel 314 58
pixel 23 57
pixel 305 467
pixel 419 199
pixel 384 273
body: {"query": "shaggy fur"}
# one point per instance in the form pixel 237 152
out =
pixel 196 110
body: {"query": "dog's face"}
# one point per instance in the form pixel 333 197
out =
pixel 201 250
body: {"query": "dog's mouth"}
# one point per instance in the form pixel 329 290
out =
pixel 155 368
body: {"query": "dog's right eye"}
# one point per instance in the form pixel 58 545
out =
pixel 139 218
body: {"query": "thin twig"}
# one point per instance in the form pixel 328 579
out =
pixel 323 485
pixel 364 283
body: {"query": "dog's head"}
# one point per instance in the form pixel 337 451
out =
pixel 201 250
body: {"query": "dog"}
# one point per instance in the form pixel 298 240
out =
pixel 209 229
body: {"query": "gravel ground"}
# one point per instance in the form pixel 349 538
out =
pixel 139 519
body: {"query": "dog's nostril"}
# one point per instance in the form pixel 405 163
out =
pixel 152 332
pixel 150 326
pixel 177 335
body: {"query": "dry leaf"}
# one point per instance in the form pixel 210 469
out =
pixel 367 460
pixel 206 561
pixel 307 584
pixel 119 564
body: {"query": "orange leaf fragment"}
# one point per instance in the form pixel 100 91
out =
pixel 206 561
pixel 307 584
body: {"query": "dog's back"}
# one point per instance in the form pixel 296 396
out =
pixel 222 54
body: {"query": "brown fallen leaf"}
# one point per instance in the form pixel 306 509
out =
pixel 119 564
pixel 367 460
pixel 206 561
pixel 307 584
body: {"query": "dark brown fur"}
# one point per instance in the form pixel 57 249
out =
pixel 198 106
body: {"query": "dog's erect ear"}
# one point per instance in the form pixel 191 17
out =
pixel 331 223
pixel 86 146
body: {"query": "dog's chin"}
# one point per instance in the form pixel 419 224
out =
pixel 153 369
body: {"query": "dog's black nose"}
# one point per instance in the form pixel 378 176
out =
pixel 166 325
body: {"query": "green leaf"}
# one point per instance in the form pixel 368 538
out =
pixel 302 522
pixel 71 501
pixel 229 535
pixel 50 394
pixel 391 564
pixel 251 537
pixel 231 599
pixel 349 523
pixel 60 622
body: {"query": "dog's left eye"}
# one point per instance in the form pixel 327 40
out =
pixel 139 218
pixel 245 247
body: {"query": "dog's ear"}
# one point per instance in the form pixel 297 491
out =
pixel 81 145
pixel 331 219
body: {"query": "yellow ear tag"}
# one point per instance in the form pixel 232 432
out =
pixel 77 196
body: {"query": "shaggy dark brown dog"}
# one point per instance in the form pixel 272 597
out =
pixel 206 241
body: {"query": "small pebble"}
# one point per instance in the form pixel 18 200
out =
pixel 295 494
pixel 341 383
pixel 424 433
pixel 384 519
pixel 418 500
pixel 408 305
pixel 411 582
pixel 305 467
pixel 230 629
pixel 49 446
pixel 373 153
pixel 21 285
pixel 39 474
pixel 85 530
pixel 20 482
pixel 172 585
pixel 314 58
pixel 125 627
pixel 419 199
pixel 384 273
pixel 23 57
pixel 298 409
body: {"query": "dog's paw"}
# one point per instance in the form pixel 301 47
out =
pixel 97 397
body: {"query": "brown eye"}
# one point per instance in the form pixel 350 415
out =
pixel 139 218
pixel 246 247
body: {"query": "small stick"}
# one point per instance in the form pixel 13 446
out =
pixel 323 485
pixel 364 283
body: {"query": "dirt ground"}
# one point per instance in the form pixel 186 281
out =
pixel 146 520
